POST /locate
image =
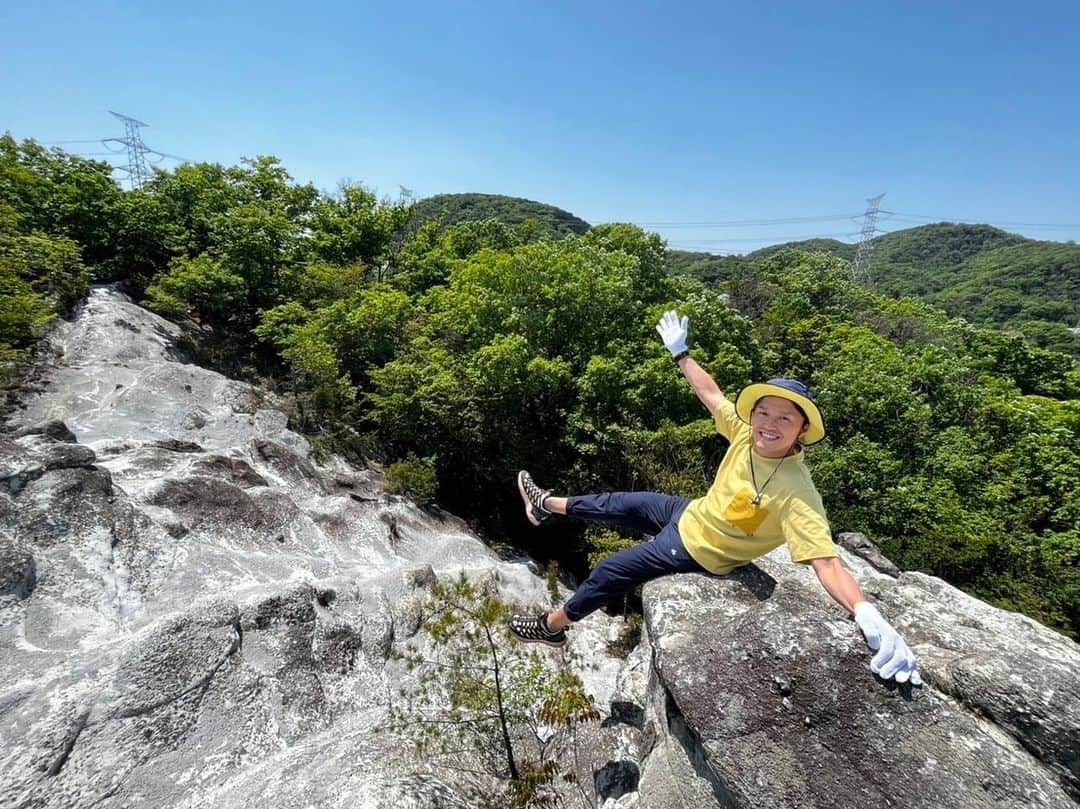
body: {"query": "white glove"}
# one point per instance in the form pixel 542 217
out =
pixel 673 331
pixel 893 658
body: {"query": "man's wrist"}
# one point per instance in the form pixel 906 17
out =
pixel 681 355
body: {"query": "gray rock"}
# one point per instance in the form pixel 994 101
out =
pixel 18 572
pixel 67 456
pixel 65 506
pixel 201 500
pixel 234 470
pixel 54 429
pixel 862 547
pixel 841 737
pixel 288 465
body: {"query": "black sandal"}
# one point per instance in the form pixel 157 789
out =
pixel 534 498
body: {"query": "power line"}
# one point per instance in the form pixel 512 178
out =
pixel 140 157
pixel 977 220
pixel 791 220
pixel 891 215
pixel 788 238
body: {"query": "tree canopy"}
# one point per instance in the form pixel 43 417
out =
pixel 453 209
pixel 977 272
pixel 459 353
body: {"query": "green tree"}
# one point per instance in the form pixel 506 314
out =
pixel 355 227
pixel 201 290
pixel 479 695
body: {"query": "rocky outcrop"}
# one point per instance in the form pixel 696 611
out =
pixel 195 611
pixel 764 681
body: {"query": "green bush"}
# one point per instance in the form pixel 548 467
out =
pixel 413 477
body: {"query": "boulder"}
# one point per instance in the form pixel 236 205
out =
pixel 766 681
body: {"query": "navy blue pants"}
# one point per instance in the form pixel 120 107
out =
pixel 647 513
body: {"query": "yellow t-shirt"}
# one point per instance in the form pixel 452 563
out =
pixel 793 511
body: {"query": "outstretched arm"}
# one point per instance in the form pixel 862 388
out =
pixel 838 583
pixel 674 332
pixel 704 385
pixel 893 658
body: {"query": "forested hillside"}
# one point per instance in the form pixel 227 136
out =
pixel 456 355
pixel 985 275
pixel 453 209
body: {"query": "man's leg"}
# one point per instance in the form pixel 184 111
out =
pixel 617 574
pixel 623 571
pixel 644 512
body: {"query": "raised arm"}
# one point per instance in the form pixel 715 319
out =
pixel 673 332
pixel 704 385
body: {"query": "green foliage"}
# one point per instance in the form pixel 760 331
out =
pixel 489 346
pixel 413 477
pixel 926 259
pixel 355 227
pixel 551 579
pixel 454 209
pixel 60 195
pixel 829 246
pixel 24 313
pixel 605 542
pixel 51 265
pixel 705 267
pixel 200 289
pixel 985 275
pixel 629 635
pixel 42 274
pixel 481 696
pixel 545 353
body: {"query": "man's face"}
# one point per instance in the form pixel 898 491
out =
pixel 775 425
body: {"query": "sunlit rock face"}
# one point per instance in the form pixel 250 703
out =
pixel 764 682
pixel 195 612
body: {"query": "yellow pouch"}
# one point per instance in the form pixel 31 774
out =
pixel 743 513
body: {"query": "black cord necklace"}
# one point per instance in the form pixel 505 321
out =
pixel 758 492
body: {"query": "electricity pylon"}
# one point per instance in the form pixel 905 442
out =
pixel 860 272
pixel 137 169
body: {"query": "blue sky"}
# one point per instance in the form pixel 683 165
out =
pixel 643 112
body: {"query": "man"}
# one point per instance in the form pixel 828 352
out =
pixel 762 497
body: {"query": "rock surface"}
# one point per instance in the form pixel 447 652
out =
pixel 195 611
pixel 765 682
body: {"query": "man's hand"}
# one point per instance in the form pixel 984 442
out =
pixel 893 659
pixel 673 331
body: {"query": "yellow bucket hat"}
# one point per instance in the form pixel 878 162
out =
pixel 794 391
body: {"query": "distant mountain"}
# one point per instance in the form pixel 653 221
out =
pixel 455 208
pixel 928 259
pixel 714 269
pixel 986 275
pixel 830 246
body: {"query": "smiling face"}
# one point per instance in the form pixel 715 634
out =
pixel 775 426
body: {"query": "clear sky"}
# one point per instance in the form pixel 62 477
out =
pixel 651 113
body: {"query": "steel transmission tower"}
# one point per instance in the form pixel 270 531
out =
pixel 137 168
pixel 860 269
